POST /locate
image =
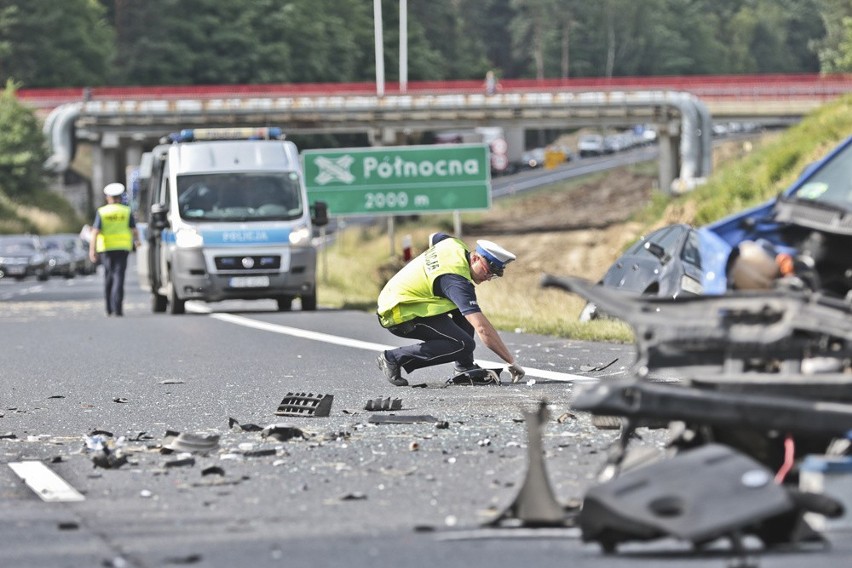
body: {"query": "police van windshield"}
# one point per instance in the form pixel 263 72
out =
pixel 239 197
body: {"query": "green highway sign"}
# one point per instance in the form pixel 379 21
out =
pixel 394 180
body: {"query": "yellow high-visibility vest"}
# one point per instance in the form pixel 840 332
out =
pixel 115 233
pixel 410 294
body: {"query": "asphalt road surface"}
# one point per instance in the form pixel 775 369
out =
pixel 341 491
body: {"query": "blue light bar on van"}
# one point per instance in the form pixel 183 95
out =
pixel 239 133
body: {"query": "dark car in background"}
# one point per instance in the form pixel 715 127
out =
pixel 74 246
pixel 22 256
pixel 674 261
pixel 60 259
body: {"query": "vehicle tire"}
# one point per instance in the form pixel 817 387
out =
pixel 43 276
pixel 602 422
pixel 309 302
pixel 285 303
pixel 589 312
pixel 159 303
pixel 176 305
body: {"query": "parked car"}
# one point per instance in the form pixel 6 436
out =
pixel 591 145
pixel 22 256
pixel 60 260
pixel 77 248
pixel 675 261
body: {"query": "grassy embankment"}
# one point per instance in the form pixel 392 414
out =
pixel 355 267
pixel 42 212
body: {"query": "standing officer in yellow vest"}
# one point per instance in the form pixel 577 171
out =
pixel 113 236
pixel 433 299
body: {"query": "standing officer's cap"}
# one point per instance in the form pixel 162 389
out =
pixel 114 189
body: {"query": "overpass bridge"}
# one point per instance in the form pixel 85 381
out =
pixel 120 123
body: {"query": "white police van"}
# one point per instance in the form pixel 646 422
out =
pixel 228 218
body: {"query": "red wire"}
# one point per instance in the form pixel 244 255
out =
pixel 789 455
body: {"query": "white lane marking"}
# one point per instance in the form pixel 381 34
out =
pixel 45 482
pixel 369 346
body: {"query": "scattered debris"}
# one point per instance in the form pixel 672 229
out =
pixel 354 496
pixel 212 470
pixel 56 396
pixel 305 404
pixel 234 423
pixel 183 461
pixel 260 453
pixel 564 417
pixel 8 436
pixel 171 382
pixel 404 419
pixel 282 432
pixel 68 526
pixel 120 400
pixel 595 368
pixel 476 377
pixel 177 442
pixel 384 404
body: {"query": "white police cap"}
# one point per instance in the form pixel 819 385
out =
pixel 114 189
pixel 497 256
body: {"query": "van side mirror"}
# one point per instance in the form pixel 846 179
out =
pixel 159 216
pixel 319 213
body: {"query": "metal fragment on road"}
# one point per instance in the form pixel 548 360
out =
pixel 45 482
pixel 384 404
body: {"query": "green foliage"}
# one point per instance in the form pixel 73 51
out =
pixel 44 43
pixel 22 147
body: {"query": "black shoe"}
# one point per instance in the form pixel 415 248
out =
pixel 464 368
pixel 392 371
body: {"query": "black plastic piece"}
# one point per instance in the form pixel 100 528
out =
pixel 305 404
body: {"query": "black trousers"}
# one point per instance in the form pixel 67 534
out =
pixel 445 338
pixel 115 265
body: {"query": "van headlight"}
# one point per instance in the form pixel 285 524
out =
pixel 300 236
pixel 188 238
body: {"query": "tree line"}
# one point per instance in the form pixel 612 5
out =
pixel 77 43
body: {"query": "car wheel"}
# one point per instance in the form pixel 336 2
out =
pixel 285 303
pixel 309 302
pixel 159 303
pixel 43 276
pixel 176 305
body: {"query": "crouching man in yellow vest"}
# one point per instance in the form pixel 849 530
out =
pixel 433 299
pixel 112 238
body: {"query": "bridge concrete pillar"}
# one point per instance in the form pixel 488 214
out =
pixel 668 139
pixel 133 154
pixel 515 143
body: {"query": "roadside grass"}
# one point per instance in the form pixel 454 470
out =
pixel 39 212
pixel 354 268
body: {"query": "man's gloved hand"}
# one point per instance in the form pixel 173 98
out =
pixel 517 372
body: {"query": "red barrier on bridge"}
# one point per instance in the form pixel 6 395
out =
pixel 777 86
